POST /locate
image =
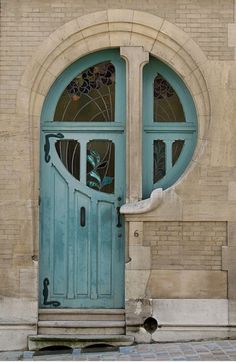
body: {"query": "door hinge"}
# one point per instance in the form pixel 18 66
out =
pixel 39 200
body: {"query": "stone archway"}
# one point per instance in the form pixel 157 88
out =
pixel 101 30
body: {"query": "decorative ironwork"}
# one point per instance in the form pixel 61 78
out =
pixel 100 165
pixel 118 217
pixel 159 160
pixel 47 157
pixel 54 303
pixel 90 96
pixel 91 78
pixel 162 89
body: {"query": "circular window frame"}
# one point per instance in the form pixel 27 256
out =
pixel 172 130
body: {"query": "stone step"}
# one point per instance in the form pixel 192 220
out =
pixel 81 327
pixel 81 321
pixel 81 311
pixel 81 324
pixel 81 315
pixel 36 342
pixel 81 331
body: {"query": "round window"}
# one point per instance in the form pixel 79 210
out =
pixel 169 127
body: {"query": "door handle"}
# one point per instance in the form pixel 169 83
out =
pixel 82 216
pixel 118 217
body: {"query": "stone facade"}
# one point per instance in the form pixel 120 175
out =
pixel 191 261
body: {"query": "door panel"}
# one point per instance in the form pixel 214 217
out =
pixel 105 244
pixel 59 232
pixel 85 244
pixel 82 246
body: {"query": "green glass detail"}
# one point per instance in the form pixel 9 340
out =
pixel 100 165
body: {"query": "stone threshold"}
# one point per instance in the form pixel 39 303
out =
pixel 36 342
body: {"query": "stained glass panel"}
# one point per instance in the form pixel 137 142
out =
pixel 101 165
pixel 177 147
pixel 159 163
pixel 89 97
pixel 167 106
pixel 69 153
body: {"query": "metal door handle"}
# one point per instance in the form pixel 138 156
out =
pixel 82 216
pixel 118 217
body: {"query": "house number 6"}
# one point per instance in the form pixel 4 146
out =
pixel 136 233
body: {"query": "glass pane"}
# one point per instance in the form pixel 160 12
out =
pixel 167 106
pixel 159 163
pixel 101 165
pixel 89 97
pixel 177 147
pixel 69 154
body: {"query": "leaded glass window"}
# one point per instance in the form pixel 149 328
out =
pixel 177 147
pixel 167 106
pixel 69 154
pixel 169 126
pixel 89 97
pixel 159 160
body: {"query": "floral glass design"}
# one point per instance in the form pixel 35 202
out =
pixel 159 163
pixel 69 154
pixel 167 106
pixel 100 165
pixel 89 97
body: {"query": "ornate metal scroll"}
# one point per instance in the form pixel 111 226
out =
pixel 47 157
pixel 54 303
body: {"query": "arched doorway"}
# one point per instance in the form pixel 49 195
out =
pixel 83 185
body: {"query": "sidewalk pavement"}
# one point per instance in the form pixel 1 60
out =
pixel 217 350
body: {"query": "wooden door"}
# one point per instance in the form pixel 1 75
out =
pixel 83 186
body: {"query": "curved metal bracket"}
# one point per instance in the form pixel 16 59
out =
pixel 54 303
pixel 47 157
pixel 141 207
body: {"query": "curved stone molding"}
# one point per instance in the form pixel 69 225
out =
pixel 141 207
pixel 114 28
pixel 101 30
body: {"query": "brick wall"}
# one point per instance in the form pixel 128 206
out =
pixel 185 245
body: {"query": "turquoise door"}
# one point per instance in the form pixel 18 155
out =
pixel 83 186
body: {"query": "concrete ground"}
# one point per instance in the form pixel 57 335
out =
pixel 187 351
